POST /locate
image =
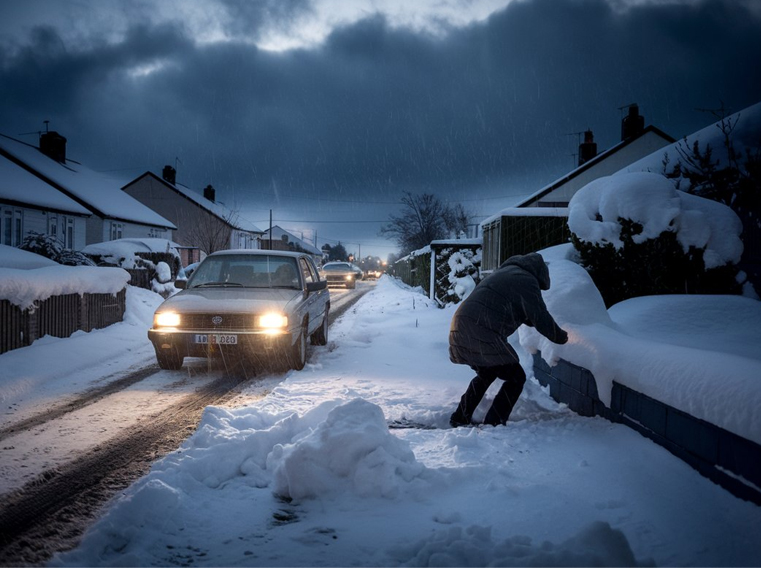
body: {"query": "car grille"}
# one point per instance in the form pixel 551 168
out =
pixel 230 322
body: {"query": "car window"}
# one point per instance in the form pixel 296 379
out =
pixel 248 271
pixel 336 267
pixel 306 271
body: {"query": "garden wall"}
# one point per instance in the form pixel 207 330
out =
pixel 726 458
pixel 58 316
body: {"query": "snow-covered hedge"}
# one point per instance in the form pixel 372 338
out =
pixel 637 235
pixel 25 287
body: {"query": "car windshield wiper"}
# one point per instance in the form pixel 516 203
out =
pixel 210 284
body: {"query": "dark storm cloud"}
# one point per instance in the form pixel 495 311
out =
pixel 483 109
pixel 248 18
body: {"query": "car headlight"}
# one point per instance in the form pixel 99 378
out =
pixel 166 319
pixel 349 276
pixel 272 321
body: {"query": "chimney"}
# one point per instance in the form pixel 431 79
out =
pixel 633 123
pixel 209 193
pixel 588 148
pixel 53 145
pixel 169 174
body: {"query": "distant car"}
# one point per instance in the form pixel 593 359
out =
pixel 358 271
pixel 373 273
pixel 255 303
pixel 341 274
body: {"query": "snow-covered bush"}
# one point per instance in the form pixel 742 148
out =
pixel 50 247
pixel 457 273
pixel 637 235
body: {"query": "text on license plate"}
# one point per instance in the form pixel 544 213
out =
pixel 216 339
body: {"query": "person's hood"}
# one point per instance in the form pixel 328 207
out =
pixel 534 264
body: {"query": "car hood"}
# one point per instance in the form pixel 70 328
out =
pixel 231 300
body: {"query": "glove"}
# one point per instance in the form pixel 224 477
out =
pixel 563 339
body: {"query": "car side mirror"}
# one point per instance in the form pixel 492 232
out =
pixel 180 284
pixel 317 286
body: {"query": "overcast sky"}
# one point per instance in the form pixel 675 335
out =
pixel 326 111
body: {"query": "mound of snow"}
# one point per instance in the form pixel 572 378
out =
pixel 352 450
pixel 652 201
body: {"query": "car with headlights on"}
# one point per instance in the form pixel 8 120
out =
pixel 339 273
pixel 260 304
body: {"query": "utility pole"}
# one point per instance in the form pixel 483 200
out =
pixel 270 247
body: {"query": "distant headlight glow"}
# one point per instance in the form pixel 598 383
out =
pixel 166 319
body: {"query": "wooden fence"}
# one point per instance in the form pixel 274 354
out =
pixel 59 316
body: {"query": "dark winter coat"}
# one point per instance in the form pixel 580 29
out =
pixel 500 304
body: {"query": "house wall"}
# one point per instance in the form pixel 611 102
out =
pixel 639 148
pixel 17 222
pixel 100 230
pixel 181 211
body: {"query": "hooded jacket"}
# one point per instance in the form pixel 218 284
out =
pixel 506 299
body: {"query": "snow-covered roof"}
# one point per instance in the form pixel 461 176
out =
pixel 591 163
pixel 746 134
pixel 528 212
pixel 99 193
pixel 17 185
pixel 217 209
pixel 278 232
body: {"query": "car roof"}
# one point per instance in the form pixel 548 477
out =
pixel 259 252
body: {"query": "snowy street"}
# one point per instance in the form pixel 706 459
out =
pixel 310 474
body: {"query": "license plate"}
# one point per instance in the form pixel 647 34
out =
pixel 216 339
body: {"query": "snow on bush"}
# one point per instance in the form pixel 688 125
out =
pixel 637 235
pixel 651 201
pixel 462 276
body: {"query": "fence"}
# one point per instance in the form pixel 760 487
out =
pixel 59 316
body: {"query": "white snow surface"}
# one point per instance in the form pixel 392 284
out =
pixel 12 257
pixel 651 200
pixel 310 475
pixel 696 353
pixel 25 278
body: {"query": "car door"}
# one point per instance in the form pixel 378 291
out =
pixel 315 301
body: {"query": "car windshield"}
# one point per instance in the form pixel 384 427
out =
pixel 336 268
pixel 247 271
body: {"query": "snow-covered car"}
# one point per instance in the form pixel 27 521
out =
pixel 260 304
pixel 339 273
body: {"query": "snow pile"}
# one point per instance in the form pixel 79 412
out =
pixel 351 450
pixel 596 545
pixel 12 257
pixel 651 200
pixel 696 353
pixel 25 287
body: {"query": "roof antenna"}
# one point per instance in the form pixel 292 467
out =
pixel 47 122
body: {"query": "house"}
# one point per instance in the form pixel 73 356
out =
pixel 203 224
pixel 28 204
pixel 515 232
pixel 283 240
pixel 49 191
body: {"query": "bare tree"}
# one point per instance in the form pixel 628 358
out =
pixel 424 218
pixel 209 232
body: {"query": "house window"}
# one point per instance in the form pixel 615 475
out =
pixel 116 230
pixel 11 231
pixel 69 233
